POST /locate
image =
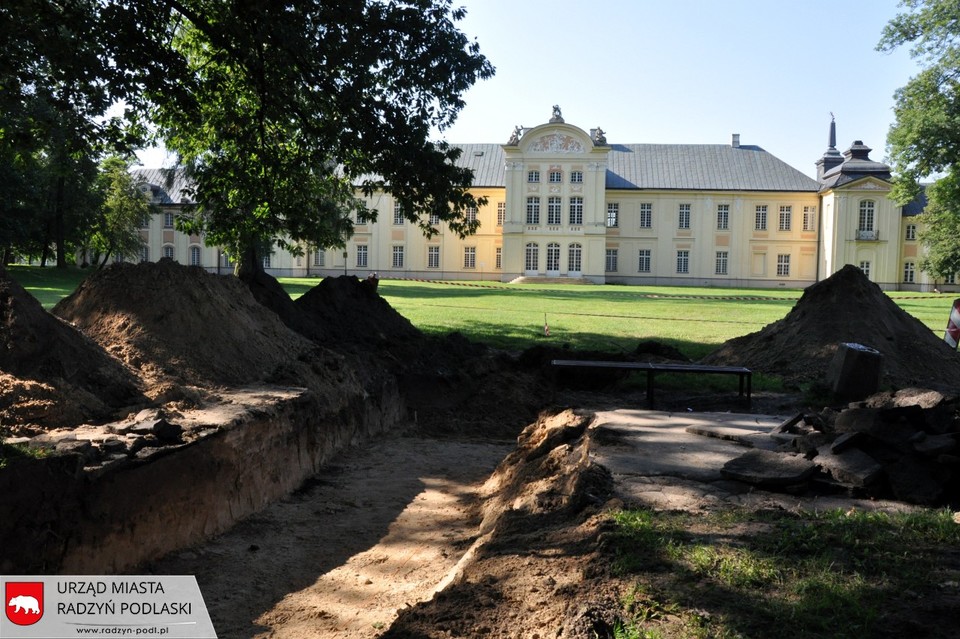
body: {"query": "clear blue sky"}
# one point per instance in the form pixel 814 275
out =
pixel 686 72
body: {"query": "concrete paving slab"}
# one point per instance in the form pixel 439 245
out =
pixel 653 443
pixel 656 462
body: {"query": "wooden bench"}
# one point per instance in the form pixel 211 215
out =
pixel 745 374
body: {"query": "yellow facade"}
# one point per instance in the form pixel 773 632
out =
pixel 564 203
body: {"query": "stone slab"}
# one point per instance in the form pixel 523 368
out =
pixel 852 466
pixel 766 468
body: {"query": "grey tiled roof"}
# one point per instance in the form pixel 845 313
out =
pixel 702 167
pixel 486 160
pixel 162 192
pixel 695 167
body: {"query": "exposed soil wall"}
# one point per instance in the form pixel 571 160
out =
pixel 261 445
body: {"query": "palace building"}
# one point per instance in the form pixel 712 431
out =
pixel 565 204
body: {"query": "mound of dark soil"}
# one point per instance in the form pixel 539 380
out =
pixel 176 322
pixel 45 359
pixel 846 307
pixel 351 311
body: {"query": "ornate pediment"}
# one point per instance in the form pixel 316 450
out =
pixel 556 142
pixel 870 186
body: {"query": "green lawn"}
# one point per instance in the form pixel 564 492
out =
pixel 49 285
pixel 610 318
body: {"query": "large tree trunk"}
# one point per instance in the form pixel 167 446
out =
pixel 249 266
pixel 105 258
pixel 59 234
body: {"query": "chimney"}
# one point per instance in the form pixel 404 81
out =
pixel 735 142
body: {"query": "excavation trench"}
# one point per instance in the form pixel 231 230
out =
pixel 375 532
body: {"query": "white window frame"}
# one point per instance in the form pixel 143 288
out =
pixel 909 272
pixel 809 218
pixel 553 256
pixel 469 257
pixel 644 260
pixel 554 210
pixel 398 218
pixel 196 256
pixel 319 258
pixel 646 215
pixel 911 232
pixel 397 256
pixel 683 262
pixel 575 258
pixel 531 257
pixel 533 176
pixel 610 260
pixel 433 256
pixel 533 209
pixel 760 218
pixel 783 265
pixel 865 268
pixel 501 212
pixel 613 215
pixel 576 210
pixel 576 177
pixel 786 218
pixel 683 216
pixel 723 217
pixel 498 258
pixel 722 263
pixel 556 177
pixel 167 251
pixel 867 215
pixel 363 255
pixel 471 214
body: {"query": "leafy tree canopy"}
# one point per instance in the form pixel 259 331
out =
pixel 924 140
pixel 925 137
pixel 292 107
pixel 123 209
pixel 277 110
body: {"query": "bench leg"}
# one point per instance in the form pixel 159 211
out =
pixel 650 390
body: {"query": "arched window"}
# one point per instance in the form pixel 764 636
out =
pixel 553 257
pixel 195 256
pixel 532 257
pixel 574 258
pixel 168 251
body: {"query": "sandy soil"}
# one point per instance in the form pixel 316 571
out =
pixel 378 532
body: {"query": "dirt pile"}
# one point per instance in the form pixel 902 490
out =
pixel 172 322
pixel 846 307
pixel 535 570
pixel 351 311
pixel 49 371
pixel 450 384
